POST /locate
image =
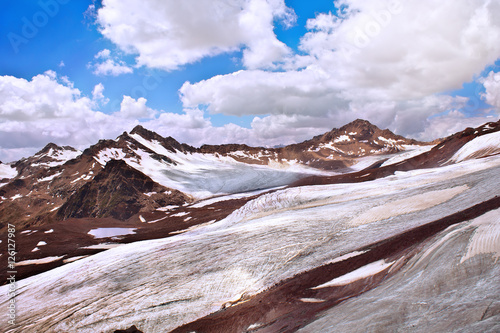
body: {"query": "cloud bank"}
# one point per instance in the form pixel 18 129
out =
pixel 394 63
pixel 389 62
pixel 167 34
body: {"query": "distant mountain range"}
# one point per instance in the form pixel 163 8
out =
pixel 62 182
pixel 150 187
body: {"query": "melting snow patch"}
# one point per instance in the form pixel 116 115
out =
pixel 38 261
pixel 57 174
pixel 389 141
pixel 6 171
pixel 108 154
pixel 143 220
pixel 49 231
pixel 180 214
pixel 158 220
pixel 55 208
pixel 17 196
pixel 311 300
pixel 82 177
pixel 164 209
pixel 347 256
pixel 25 231
pixel 360 273
pixel 111 232
pixel 207 202
pixel 342 138
pixel 102 246
pixel 407 155
pixel 35 249
pixel 41 243
pixel 253 326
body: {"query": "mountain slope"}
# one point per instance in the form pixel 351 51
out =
pixel 159 285
pixel 470 143
pixel 231 253
pixel 118 191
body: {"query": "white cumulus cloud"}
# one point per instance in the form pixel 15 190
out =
pixel 492 85
pixel 169 33
pixel 107 65
pixel 98 95
pixel 49 109
pixel 391 62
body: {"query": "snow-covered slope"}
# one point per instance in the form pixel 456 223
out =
pixel 204 175
pixel 7 171
pixel 450 285
pixel 488 144
pixel 411 151
pixel 158 285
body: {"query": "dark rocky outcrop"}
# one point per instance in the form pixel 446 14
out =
pixel 118 191
pixel 131 329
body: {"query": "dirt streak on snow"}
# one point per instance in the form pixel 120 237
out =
pixel 408 205
pixel 38 261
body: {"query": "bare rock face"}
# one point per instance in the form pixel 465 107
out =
pixel 118 191
pixel 131 329
pixel 168 142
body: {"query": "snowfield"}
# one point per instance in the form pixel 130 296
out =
pixel 205 175
pixel 484 145
pixel 7 171
pixel 410 151
pixel 160 284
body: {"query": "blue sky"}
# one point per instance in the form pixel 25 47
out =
pixel 262 72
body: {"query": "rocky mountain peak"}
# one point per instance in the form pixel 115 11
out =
pixel 51 147
pixel 146 134
pixel 167 142
pixel 47 148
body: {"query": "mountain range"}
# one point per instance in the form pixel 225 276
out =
pixel 256 239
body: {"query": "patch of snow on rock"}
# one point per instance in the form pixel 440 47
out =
pixel 360 273
pixel 7 171
pixel 111 232
pixel 38 261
